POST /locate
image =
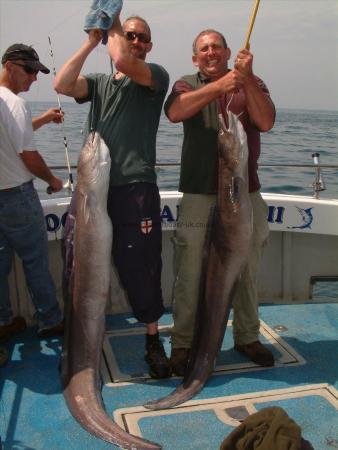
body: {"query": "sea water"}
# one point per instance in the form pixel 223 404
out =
pixel 296 135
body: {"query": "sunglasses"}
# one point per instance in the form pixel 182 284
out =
pixel 142 37
pixel 27 69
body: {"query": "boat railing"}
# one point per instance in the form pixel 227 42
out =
pixel 159 165
pixel 324 166
pixel 318 184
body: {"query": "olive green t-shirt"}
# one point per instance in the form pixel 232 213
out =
pixel 200 148
pixel 127 116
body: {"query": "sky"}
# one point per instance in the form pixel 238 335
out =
pixel 294 42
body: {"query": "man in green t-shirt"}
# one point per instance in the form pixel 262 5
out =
pixel 125 109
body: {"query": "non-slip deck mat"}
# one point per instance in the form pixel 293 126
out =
pixel 34 414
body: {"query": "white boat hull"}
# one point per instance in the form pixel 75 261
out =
pixel 303 247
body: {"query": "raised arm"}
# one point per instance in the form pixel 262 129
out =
pixel 260 106
pixel 188 104
pixel 125 60
pixel 68 81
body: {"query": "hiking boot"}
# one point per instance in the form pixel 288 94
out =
pixel 257 353
pixel 56 330
pixel 157 360
pixel 17 325
pixel 179 360
pixel 3 356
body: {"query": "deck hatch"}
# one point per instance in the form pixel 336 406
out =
pixel 214 420
pixel 124 354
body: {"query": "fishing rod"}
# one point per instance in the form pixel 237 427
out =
pixel 251 24
pixel 69 184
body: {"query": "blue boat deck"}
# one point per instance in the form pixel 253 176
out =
pixel 304 382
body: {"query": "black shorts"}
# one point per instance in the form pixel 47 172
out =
pixel 137 244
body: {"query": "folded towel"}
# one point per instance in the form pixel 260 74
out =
pixel 101 16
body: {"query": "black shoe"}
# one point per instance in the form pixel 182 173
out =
pixel 56 330
pixel 157 360
pixel 3 356
pixel 17 325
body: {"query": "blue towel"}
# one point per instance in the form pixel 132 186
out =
pixel 101 16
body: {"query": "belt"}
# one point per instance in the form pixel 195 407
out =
pixel 16 188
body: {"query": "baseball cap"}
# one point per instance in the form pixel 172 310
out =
pixel 25 53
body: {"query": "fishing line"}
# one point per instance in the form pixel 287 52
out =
pixel 70 184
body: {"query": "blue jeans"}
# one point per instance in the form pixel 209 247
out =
pixel 23 231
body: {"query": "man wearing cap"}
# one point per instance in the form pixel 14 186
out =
pixel 22 223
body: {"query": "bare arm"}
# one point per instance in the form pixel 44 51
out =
pixel 188 104
pixel 37 166
pixel 51 115
pixel 68 81
pixel 260 107
pixel 135 68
